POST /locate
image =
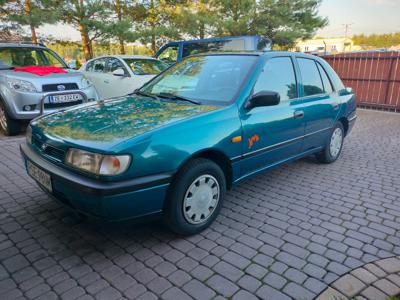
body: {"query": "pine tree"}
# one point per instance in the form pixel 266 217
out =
pixel 32 13
pixel 90 17
pixel 196 18
pixel 121 24
pixel 285 21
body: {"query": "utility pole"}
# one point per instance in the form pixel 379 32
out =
pixel 347 27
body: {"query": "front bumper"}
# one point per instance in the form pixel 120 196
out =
pixel 16 101
pixel 113 201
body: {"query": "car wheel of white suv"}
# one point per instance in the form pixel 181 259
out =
pixel 8 125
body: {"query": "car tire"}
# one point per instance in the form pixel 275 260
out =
pixel 334 145
pixel 195 197
pixel 8 125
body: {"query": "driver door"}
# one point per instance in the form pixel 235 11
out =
pixel 273 134
pixel 117 85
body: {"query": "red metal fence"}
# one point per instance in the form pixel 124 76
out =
pixel 374 76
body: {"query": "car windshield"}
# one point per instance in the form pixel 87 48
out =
pixel 23 57
pixel 146 66
pixel 213 79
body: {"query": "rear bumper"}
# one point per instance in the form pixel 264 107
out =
pixel 352 121
pixel 113 201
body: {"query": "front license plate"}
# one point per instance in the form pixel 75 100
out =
pixel 40 176
pixel 65 98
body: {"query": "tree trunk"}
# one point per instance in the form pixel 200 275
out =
pixel 119 16
pixel 153 44
pixel 121 46
pixel 202 30
pixel 85 42
pixel 28 10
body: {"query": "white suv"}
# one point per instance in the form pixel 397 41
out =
pixel 24 96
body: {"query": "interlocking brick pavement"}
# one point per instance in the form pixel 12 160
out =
pixel 285 234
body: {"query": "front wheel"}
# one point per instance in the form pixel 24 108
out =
pixel 195 197
pixel 8 125
pixel 334 145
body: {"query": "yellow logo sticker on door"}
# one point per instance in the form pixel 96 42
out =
pixel 252 140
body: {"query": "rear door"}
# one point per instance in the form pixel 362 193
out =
pixel 319 106
pixel 273 134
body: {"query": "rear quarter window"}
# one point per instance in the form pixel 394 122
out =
pixel 311 79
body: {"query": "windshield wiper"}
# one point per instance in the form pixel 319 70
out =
pixel 177 97
pixel 141 93
pixel 7 68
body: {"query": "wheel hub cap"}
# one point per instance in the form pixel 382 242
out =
pixel 201 199
pixel 336 142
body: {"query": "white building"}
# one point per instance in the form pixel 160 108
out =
pixel 325 46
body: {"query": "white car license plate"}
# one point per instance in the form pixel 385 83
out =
pixel 40 176
pixel 65 98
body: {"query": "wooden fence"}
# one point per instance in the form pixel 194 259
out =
pixel 374 76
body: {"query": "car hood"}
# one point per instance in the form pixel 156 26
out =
pixel 72 76
pixel 104 124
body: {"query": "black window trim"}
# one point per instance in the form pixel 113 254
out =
pixel 315 95
pixel 319 65
pixel 127 74
pixel 94 63
pixel 295 77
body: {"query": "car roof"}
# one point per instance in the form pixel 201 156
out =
pixel 214 39
pixel 4 44
pixel 126 57
pixel 260 53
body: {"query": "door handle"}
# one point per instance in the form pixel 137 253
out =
pixel 335 106
pixel 299 114
pixel 106 81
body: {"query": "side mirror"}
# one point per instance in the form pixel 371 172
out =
pixel 349 90
pixel 263 98
pixel 72 65
pixel 119 72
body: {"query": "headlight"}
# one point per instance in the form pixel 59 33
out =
pixel 21 85
pixel 29 135
pixel 97 163
pixel 85 83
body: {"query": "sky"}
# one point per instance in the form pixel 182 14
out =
pixel 364 16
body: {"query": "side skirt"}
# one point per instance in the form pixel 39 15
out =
pixel 277 164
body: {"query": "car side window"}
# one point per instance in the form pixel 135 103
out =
pixel 114 64
pixel 90 66
pixel 312 83
pixel 169 54
pixel 278 76
pixel 325 79
pixel 99 65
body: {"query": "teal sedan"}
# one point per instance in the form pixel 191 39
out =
pixel 174 146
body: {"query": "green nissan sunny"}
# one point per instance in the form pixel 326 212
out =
pixel 173 147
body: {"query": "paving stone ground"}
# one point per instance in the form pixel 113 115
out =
pixel 289 233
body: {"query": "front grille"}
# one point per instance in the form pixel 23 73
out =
pixel 49 150
pixel 54 87
pixel 55 153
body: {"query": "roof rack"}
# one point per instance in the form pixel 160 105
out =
pixel 22 43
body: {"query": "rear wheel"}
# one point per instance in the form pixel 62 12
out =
pixel 195 197
pixel 334 145
pixel 8 125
